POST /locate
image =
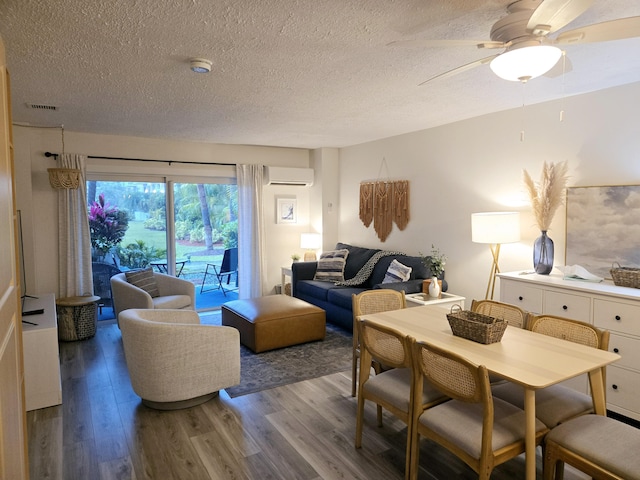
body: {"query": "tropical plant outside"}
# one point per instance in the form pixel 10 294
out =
pixel 107 225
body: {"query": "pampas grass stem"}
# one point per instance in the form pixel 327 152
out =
pixel 548 194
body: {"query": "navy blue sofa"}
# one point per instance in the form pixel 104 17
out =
pixel 336 300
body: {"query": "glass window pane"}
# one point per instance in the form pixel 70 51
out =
pixel 206 224
pixel 127 222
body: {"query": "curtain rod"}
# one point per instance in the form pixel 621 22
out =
pixel 55 155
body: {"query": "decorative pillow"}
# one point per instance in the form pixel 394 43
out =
pixel 331 266
pixel 397 272
pixel 143 279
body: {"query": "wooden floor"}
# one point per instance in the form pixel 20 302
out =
pixel 299 431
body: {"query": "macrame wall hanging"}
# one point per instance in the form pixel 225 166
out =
pixel 366 203
pixel 384 203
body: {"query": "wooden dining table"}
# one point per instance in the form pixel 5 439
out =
pixel 529 359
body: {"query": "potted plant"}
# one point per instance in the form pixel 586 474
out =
pixel 435 262
pixel 295 257
pixel 107 225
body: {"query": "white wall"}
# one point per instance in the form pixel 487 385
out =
pixel 476 165
pixel 38 201
pixel 454 170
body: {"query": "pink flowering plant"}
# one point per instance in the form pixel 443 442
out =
pixel 107 225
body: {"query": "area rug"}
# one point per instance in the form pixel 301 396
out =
pixel 283 366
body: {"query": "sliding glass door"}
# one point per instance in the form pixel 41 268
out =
pixel 205 219
pixel 132 228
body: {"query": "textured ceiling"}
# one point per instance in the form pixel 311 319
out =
pixel 299 73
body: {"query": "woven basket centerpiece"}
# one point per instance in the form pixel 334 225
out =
pixel 476 326
pixel 625 276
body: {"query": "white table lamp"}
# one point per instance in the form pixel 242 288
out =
pixel 310 242
pixel 495 228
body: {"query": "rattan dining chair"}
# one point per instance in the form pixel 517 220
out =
pixel 558 403
pixel 512 314
pixel 392 389
pixel 367 302
pixel 480 430
pixel 601 447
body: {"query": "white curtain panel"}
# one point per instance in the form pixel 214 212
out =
pixel 251 245
pixel 74 244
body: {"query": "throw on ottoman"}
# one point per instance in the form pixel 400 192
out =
pixel 274 321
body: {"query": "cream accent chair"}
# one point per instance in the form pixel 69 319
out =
pixel 174 361
pixel 175 293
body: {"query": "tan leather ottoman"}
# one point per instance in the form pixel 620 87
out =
pixel 274 321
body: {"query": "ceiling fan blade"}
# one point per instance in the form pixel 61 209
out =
pixel 601 32
pixel 421 42
pixel 462 68
pixel 552 15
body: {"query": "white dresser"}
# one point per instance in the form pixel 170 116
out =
pixel 604 305
pixel 41 355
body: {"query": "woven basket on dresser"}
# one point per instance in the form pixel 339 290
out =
pixel 476 326
pixel 625 276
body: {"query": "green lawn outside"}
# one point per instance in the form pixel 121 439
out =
pixel 151 238
pixel 195 265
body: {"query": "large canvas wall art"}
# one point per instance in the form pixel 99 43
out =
pixel 603 227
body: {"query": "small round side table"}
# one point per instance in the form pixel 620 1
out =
pixel 77 317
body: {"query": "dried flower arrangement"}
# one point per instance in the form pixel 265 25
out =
pixel 547 195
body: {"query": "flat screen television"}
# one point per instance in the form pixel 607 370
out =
pixel 23 274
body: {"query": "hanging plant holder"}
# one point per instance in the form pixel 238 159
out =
pixel 64 178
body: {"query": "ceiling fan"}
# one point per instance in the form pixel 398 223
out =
pixel 529 51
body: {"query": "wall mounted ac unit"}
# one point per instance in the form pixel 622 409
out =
pixel 302 177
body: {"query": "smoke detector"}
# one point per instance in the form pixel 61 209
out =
pixel 201 65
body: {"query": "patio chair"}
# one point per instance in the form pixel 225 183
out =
pixel 102 273
pixel 223 273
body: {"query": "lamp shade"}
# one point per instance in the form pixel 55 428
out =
pixel 310 241
pixel 495 227
pixel 525 63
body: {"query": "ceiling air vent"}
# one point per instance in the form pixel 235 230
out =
pixel 40 106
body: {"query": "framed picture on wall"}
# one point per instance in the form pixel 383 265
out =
pixel 603 227
pixel 286 210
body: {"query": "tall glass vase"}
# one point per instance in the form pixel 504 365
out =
pixel 543 254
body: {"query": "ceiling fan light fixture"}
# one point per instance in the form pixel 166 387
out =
pixel 525 63
pixel 201 65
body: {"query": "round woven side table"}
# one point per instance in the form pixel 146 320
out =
pixel 77 317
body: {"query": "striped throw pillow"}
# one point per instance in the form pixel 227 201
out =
pixel 143 279
pixel 397 272
pixel 331 266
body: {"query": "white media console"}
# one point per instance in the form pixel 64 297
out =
pixel 41 355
